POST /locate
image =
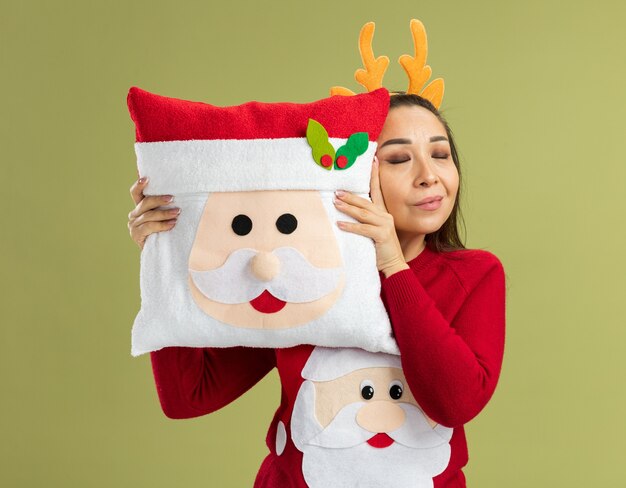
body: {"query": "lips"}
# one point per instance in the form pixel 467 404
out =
pixel 429 200
pixel 380 441
pixel 429 203
pixel 267 303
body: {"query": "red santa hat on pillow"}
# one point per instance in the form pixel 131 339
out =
pixel 188 147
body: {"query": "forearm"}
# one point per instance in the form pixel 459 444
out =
pixel 196 381
pixel 452 367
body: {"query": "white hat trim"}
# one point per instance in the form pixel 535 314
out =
pixel 176 167
pixel 327 363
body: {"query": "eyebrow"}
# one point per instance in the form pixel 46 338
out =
pixel 396 141
pixel 438 138
pixel 408 141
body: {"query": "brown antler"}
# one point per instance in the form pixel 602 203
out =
pixel 415 66
pixel 372 76
pixel 417 69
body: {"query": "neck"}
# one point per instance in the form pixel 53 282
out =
pixel 412 244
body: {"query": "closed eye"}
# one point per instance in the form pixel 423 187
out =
pixel 441 156
pixel 397 161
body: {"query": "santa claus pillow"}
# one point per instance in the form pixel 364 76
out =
pixel 256 258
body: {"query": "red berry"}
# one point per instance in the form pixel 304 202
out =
pixel 326 160
pixel 342 162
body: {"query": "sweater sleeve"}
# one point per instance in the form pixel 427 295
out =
pixel 451 368
pixel 196 381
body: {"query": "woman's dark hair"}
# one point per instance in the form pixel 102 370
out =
pixel 447 238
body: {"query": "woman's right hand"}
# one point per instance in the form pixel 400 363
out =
pixel 146 218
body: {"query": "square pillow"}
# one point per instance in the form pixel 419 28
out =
pixel 256 258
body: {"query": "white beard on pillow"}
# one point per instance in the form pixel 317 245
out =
pixel 380 439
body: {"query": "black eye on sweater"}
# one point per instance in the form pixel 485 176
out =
pixel 396 390
pixel 286 223
pixel 241 225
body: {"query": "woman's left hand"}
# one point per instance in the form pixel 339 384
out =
pixel 375 222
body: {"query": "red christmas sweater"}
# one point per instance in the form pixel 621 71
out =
pixel 448 317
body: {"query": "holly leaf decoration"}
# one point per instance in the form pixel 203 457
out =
pixel 355 146
pixel 323 151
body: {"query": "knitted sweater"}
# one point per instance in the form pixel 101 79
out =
pixel 448 317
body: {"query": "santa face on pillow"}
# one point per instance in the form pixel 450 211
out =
pixel 357 424
pixel 256 257
pixel 266 259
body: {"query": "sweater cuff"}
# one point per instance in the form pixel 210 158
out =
pixel 402 289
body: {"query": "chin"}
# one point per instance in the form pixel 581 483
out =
pixel 421 224
pixel 419 228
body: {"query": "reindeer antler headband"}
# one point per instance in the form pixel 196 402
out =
pixel 415 66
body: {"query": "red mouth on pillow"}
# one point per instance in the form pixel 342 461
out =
pixel 267 303
pixel 380 441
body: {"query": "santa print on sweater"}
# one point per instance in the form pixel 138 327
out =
pixel 448 317
pixel 357 424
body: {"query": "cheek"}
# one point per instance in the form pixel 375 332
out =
pixel 451 182
pixel 391 188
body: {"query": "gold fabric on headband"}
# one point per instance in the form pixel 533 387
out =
pixel 415 66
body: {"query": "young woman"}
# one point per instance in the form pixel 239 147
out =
pixel 446 303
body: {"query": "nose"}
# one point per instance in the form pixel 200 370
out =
pixel 380 416
pixel 265 266
pixel 425 176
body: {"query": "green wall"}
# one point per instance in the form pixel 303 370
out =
pixel 535 95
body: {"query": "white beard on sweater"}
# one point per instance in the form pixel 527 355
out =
pixel 339 456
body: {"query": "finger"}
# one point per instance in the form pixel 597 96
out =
pixel 141 232
pixel 136 191
pixel 355 200
pixel 363 215
pixel 376 193
pixel 150 203
pixel 156 216
pixel 366 230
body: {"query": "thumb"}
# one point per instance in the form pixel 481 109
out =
pixel 376 193
pixel 136 191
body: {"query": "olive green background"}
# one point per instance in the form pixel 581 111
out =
pixel 535 95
